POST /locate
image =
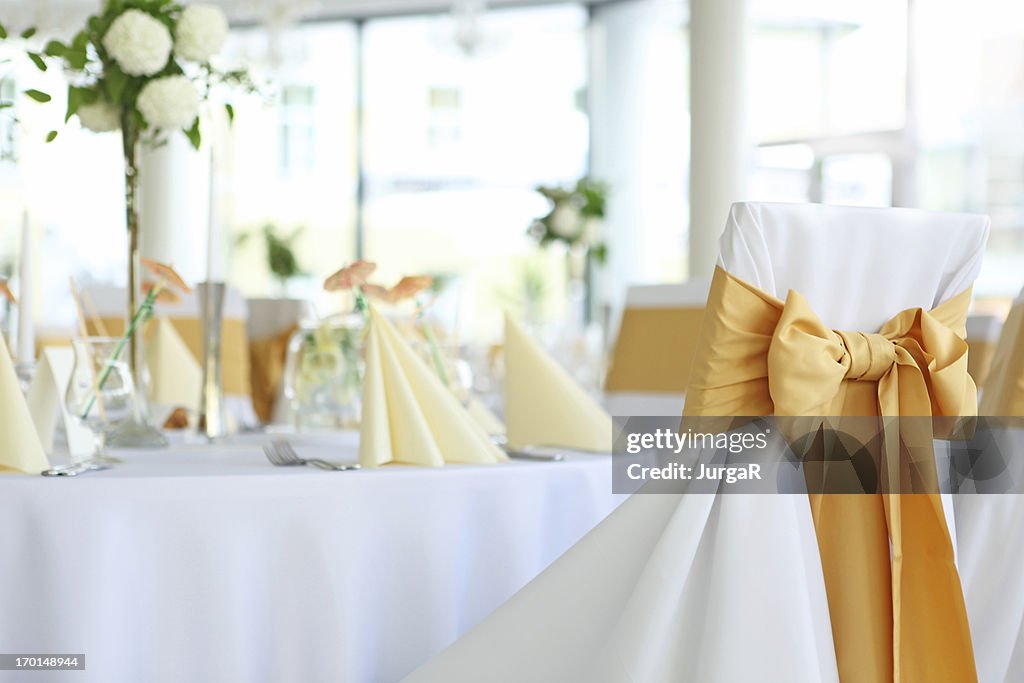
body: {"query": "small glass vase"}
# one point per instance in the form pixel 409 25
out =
pixel 324 373
pixel 101 393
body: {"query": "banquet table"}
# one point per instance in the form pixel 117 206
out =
pixel 205 563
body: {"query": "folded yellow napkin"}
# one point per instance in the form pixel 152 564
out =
pixel 175 376
pixel 20 448
pixel 543 405
pixel 409 416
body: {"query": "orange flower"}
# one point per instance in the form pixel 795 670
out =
pixel 350 276
pixel 411 285
pixel 380 293
pixel 6 293
pixel 166 272
pixel 165 295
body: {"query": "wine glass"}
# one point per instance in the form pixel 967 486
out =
pixel 101 390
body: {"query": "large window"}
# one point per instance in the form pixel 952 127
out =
pixel 458 136
pixel 292 154
pixel 968 61
pixel 828 102
pixel 417 141
pixel 456 130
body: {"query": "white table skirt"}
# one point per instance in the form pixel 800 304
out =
pixel 199 564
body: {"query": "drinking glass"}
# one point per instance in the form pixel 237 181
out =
pixel 101 392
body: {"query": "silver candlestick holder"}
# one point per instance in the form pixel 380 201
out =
pixel 212 421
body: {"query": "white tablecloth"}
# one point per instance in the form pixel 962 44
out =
pixel 200 564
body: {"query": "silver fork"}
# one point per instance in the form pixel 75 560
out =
pixel 281 454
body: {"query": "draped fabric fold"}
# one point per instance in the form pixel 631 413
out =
pixel 895 599
pixel 1004 390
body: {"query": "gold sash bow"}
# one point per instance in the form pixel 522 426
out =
pixel 895 599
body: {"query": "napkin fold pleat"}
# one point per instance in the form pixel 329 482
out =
pixel 409 416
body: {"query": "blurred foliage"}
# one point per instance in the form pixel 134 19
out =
pixel 575 218
pixel 281 260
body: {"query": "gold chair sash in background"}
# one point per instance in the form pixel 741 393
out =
pixel 895 599
pixel 268 356
pixel 1004 391
pixel 234 349
pixel 657 338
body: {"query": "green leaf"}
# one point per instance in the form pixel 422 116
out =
pixel 80 42
pixel 37 60
pixel 6 105
pixel 38 96
pixel 76 59
pixel 77 97
pixel 51 136
pixel 28 33
pixel 231 112
pixel 3 32
pixel 193 134
pixel 55 48
pixel 114 82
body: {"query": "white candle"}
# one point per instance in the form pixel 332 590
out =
pixel 26 324
pixel 215 266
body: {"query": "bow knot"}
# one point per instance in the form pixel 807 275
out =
pixel 917 358
pixel 868 356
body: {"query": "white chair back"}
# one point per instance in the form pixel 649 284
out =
pixel 857 266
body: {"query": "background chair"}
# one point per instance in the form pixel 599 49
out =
pixel 990 525
pixel 271 324
pixel 982 335
pixel 650 361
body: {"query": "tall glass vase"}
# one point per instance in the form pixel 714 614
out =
pixel 135 431
pixel 576 294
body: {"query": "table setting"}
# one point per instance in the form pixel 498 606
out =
pixel 373 539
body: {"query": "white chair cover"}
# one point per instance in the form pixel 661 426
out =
pixel 723 589
pixel 982 336
pixel 990 540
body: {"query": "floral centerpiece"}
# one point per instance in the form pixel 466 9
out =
pixel 142 68
pixel 575 219
pixel 324 370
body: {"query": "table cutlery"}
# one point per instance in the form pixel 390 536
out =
pixel 541 457
pixel 281 454
pixel 520 454
pixel 74 469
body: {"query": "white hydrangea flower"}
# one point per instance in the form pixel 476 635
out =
pixel 565 221
pixel 202 30
pixel 591 233
pixel 169 102
pixel 139 44
pixel 100 117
